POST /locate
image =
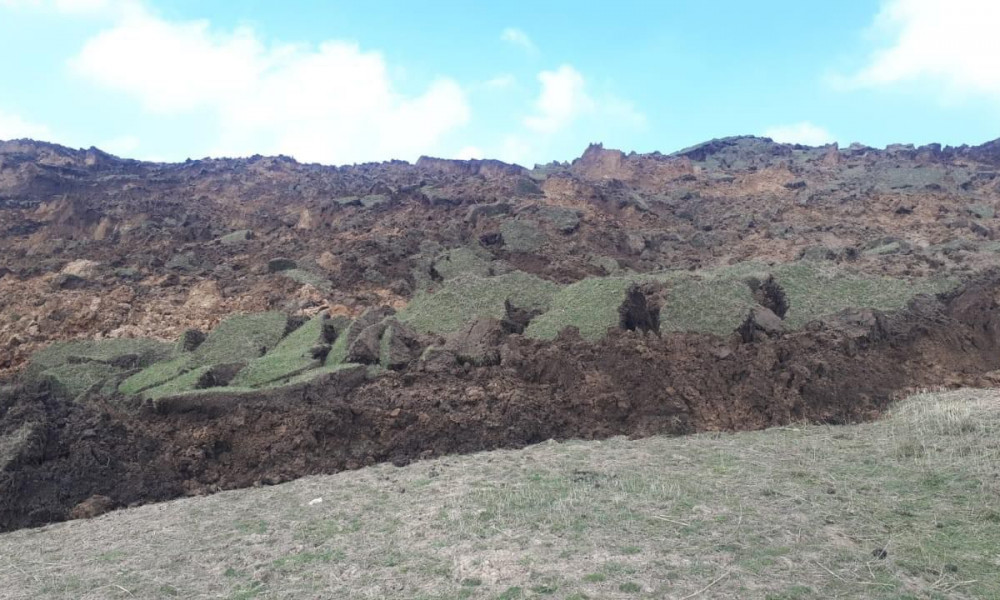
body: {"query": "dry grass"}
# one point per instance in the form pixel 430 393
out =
pixel 902 508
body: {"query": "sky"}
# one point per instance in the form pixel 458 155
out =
pixel 340 82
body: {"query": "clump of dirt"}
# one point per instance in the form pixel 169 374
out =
pixel 641 309
pixel 769 294
pixel 844 368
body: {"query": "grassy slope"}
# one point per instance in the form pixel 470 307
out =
pixel 794 512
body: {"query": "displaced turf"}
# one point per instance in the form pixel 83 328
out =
pixel 145 350
pixel 241 338
pixel 591 305
pixel 904 508
pixel 291 356
pixel 155 374
pixel 468 296
pixel 184 383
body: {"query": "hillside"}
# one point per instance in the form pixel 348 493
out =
pixel 903 507
pixel 179 329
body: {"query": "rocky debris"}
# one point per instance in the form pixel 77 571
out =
pixel 94 506
pixel 436 359
pixel 400 345
pixel 641 309
pixel 515 319
pixel 365 348
pixel 769 294
pixel 82 268
pixel 190 340
pixel 276 265
pixel 478 343
pixel 760 324
pixel 493 209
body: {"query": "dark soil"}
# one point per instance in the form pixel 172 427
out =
pixel 86 458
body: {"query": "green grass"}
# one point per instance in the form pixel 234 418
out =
pixel 708 301
pixel 815 290
pixel 290 357
pixel 75 379
pixel 57 354
pixel 468 296
pixel 522 236
pixel 796 512
pixel 184 383
pixel 461 261
pixel 315 373
pixel 241 338
pixel 155 374
pixel 591 305
pixel 236 237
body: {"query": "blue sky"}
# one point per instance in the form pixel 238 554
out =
pixel 343 82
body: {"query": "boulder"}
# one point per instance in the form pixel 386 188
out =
pixel 478 342
pixel 276 265
pixel 760 323
pixel 400 345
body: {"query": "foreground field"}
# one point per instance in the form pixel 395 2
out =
pixel 905 507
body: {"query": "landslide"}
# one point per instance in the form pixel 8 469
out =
pixel 78 459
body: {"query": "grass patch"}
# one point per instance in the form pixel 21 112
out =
pixel 314 373
pixel 145 350
pixel 590 305
pixel 796 512
pixel 186 382
pixel 522 236
pixel 815 290
pixel 709 301
pixel 154 375
pixel 76 378
pixel 469 296
pixel 241 338
pixel 461 261
pixel 291 356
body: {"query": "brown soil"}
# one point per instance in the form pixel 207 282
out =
pixel 82 459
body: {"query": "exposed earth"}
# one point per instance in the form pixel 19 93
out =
pixel 178 329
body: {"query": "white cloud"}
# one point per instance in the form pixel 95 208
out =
pixel 67 7
pixel 804 133
pixel 500 82
pixel 14 127
pixel 953 43
pixel 333 103
pixel 562 100
pixel 519 38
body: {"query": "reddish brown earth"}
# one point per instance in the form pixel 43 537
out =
pixel 153 233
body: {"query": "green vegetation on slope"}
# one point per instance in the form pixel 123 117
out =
pixel 708 301
pixel 590 305
pixel 468 296
pixel 815 290
pixel 155 374
pixel 184 383
pixel 241 338
pixel 903 508
pixel 291 356
pixel 145 350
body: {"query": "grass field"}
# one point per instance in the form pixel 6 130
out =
pixel 902 508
